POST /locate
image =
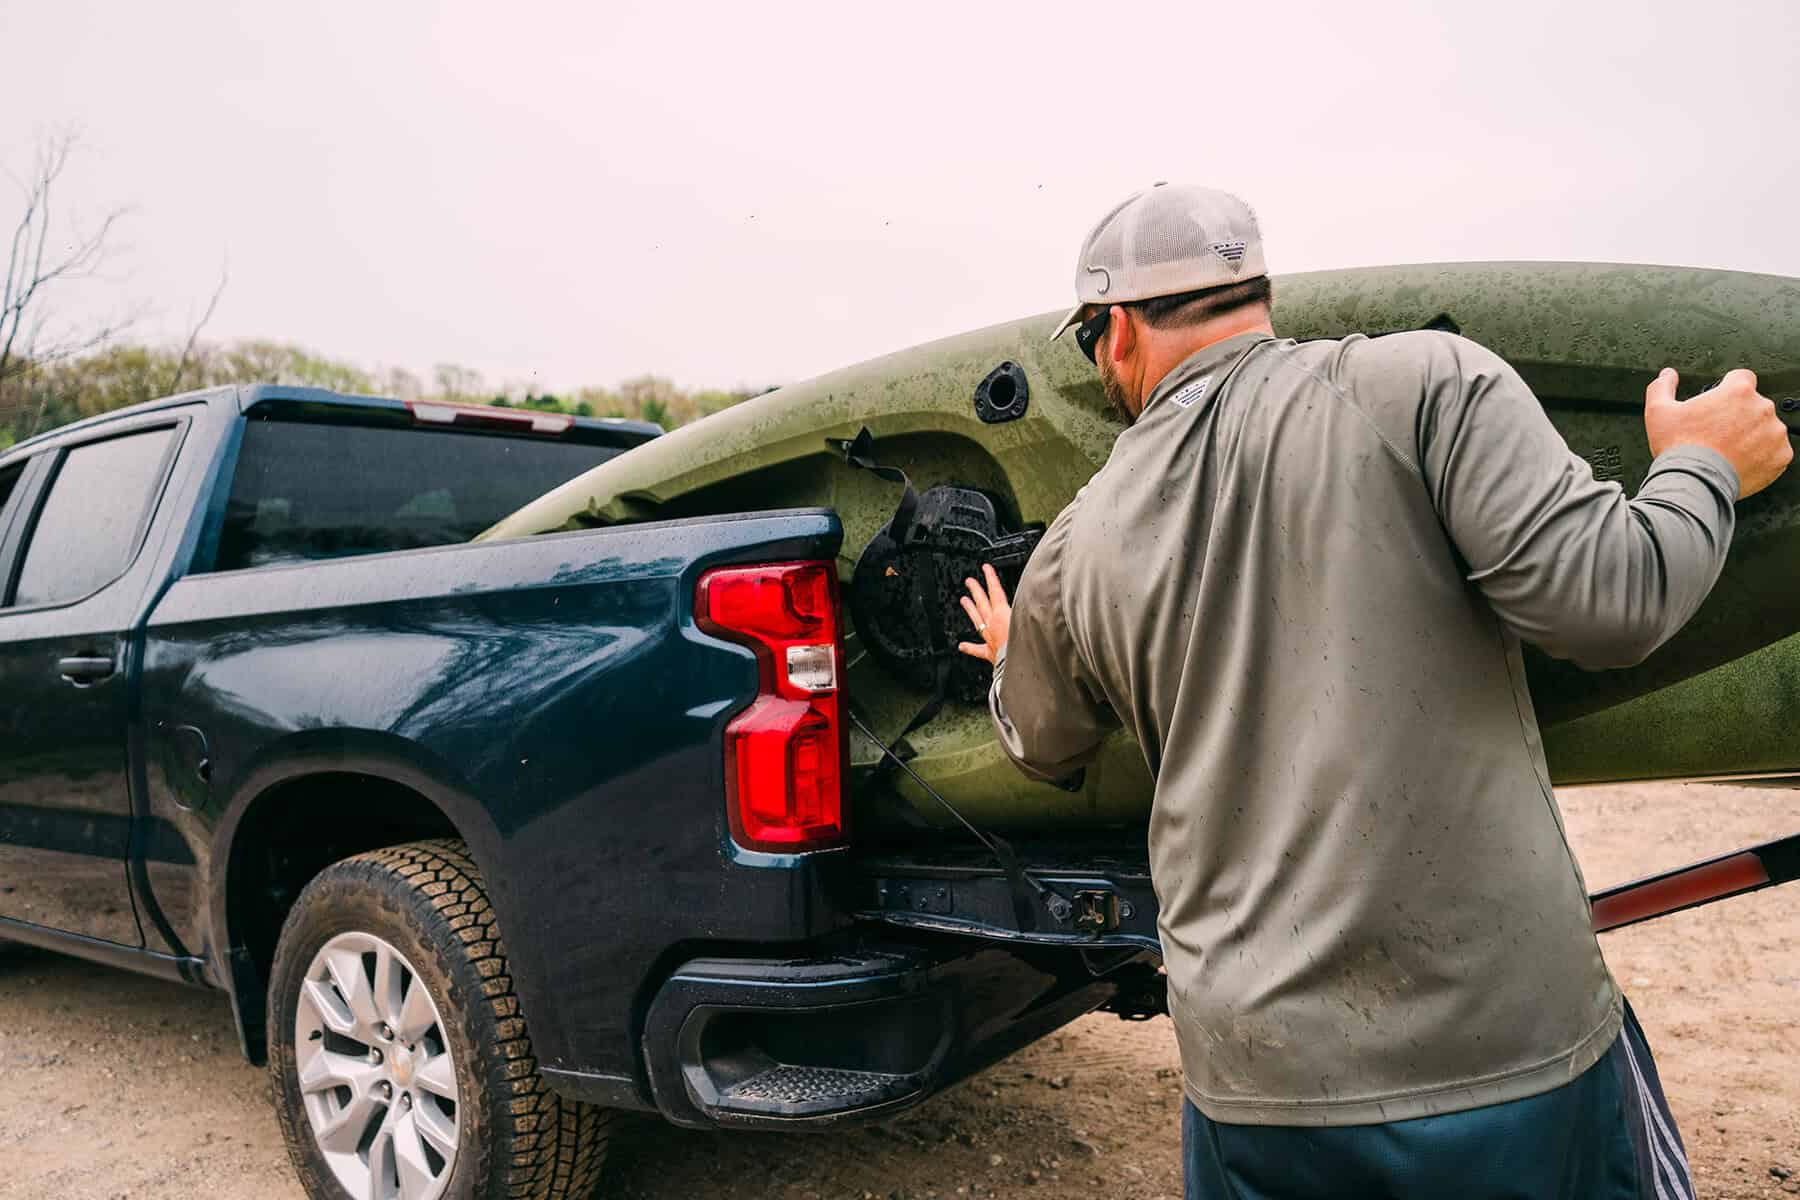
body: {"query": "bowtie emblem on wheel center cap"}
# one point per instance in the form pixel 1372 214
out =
pixel 401 1062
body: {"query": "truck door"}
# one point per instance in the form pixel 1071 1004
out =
pixel 80 514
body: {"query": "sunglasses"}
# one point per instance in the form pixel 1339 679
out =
pixel 1088 333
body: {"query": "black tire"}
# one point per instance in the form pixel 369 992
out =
pixel 515 1137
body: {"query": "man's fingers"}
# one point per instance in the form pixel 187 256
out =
pixel 975 617
pixel 983 601
pixel 1662 388
pixel 1741 377
pixel 996 591
pixel 976 603
pixel 988 612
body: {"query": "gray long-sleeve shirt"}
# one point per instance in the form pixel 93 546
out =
pixel 1301 580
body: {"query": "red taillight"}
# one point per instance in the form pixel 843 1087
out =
pixel 784 754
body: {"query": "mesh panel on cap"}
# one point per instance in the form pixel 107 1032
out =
pixel 1106 247
pixel 1100 226
pixel 1109 249
pixel 1166 233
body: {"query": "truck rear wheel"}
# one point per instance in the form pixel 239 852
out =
pixel 400 1064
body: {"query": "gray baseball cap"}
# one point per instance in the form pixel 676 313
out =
pixel 1165 240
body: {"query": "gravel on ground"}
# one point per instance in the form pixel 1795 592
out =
pixel 114 1085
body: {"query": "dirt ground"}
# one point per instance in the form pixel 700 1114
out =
pixel 113 1085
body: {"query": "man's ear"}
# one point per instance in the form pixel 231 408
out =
pixel 1121 335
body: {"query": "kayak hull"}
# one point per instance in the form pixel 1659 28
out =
pixel 1719 700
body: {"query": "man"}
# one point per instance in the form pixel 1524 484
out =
pixel 1301 581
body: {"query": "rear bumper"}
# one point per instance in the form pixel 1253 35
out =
pixel 810 1042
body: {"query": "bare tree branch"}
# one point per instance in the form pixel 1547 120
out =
pixel 34 365
pixel 30 267
pixel 94 338
pixel 187 348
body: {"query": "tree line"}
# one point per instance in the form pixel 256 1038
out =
pixel 35 397
pixel 55 369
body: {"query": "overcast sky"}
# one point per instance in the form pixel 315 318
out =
pixel 750 193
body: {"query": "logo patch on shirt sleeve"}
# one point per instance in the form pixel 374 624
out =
pixel 1190 394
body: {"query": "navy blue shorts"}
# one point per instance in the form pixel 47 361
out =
pixel 1607 1135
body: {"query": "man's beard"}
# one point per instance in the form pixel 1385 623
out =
pixel 1115 393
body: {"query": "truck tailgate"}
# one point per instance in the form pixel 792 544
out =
pixel 1096 892
pixel 1089 891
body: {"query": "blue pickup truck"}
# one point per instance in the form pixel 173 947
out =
pixel 487 841
pixel 668 791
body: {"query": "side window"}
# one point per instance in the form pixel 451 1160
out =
pixel 89 523
pixel 9 479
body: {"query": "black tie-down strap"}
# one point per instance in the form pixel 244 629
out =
pixel 906 593
pixel 1026 889
pixel 856 452
pixel 905 600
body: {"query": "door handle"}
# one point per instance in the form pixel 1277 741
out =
pixel 82 671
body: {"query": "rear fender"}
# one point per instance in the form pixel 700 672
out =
pixel 295 759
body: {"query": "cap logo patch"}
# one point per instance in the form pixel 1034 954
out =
pixel 1232 252
pixel 1193 393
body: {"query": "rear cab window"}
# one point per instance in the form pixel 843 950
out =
pixel 89 525
pixel 308 489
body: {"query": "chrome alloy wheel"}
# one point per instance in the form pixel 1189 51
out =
pixel 375 1071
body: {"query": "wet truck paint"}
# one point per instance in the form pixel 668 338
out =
pixel 1716 701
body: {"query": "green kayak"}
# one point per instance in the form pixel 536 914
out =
pixel 1002 419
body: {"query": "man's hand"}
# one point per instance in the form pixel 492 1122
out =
pixel 989 613
pixel 1733 419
